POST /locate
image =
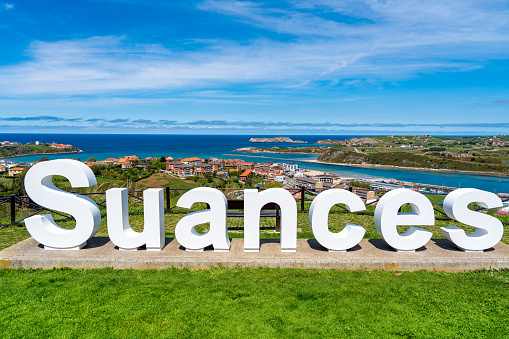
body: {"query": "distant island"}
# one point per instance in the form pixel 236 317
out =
pixel 277 139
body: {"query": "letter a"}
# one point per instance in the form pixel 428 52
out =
pixel 217 236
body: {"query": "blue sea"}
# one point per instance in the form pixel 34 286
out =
pixel 102 146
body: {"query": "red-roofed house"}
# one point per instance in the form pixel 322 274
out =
pixel 245 175
pixel 15 170
pixel 111 161
pixel 246 165
pixel 232 162
pixel 125 163
pixel 278 169
pixel 192 161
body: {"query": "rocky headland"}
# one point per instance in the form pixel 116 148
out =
pixel 277 139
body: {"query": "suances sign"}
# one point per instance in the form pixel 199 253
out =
pixel 40 188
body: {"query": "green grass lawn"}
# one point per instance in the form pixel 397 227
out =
pixel 258 303
pixel 251 302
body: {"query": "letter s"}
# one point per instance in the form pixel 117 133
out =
pixel 489 230
pixel 39 187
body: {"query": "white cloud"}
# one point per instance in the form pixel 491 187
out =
pixel 5 6
pixel 455 20
pixel 333 42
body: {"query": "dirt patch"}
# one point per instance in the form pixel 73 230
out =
pixel 158 180
pixel 155 180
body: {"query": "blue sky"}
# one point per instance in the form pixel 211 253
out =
pixel 255 67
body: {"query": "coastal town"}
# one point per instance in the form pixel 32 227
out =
pixel 282 173
pixel 239 173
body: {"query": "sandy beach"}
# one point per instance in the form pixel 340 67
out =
pixel 494 174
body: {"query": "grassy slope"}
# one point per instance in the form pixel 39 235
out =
pixel 412 159
pixel 484 159
pixel 252 303
pixel 9 151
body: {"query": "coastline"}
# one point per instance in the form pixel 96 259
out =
pixel 43 154
pixel 491 174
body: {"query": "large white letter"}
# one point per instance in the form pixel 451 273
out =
pixel 489 230
pixel 253 203
pixel 351 235
pixel 387 218
pixel 119 230
pixel 40 188
pixel 217 236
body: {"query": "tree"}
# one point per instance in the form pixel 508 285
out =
pixel 18 184
pixel 162 159
pixel 4 189
pixel 91 159
pixel 360 184
pixel 43 159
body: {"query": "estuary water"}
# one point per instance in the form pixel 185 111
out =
pixel 102 146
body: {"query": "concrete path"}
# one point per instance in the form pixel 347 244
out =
pixel 372 254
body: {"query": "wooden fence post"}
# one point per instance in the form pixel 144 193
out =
pixel 168 199
pixel 278 219
pixel 302 198
pixel 13 210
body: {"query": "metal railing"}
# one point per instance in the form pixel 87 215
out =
pixel 299 193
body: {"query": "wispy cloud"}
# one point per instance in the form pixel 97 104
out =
pixel 143 121
pixel 5 6
pixel 37 118
pixel 319 43
pixel 167 122
pixel 502 101
pixel 231 125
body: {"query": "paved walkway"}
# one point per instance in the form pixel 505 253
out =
pixel 372 254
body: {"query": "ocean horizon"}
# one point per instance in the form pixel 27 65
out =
pixel 102 146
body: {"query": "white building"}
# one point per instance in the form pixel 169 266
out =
pixel 291 167
pixel 279 178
